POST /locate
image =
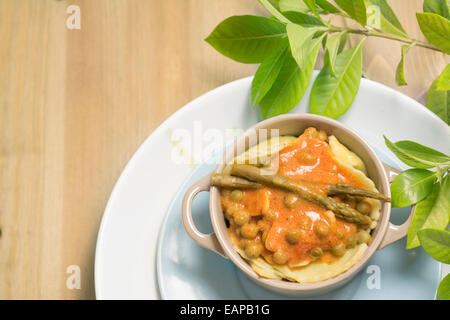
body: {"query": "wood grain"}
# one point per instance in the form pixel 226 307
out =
pixel 76 104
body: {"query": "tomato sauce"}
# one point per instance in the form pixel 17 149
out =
pixel 307 159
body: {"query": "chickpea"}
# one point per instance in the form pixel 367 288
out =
pixel 243 243
pixel 232 209
pixel 331 218
pixel 338 250
pixel 241 217
pixel 290 200
pixel 293 235
pixel 280 257
pixel 364 206
pixel 362 237
pixel 236 195
pixel 249 230
pixel 264 236
pixel 316 253
pixel 310 132
pixel 271 215
pixel 263 226
pixel 340 231
pixel 322 135
pixel 253 250
pixel 305 222
pixel 306 158
pixel 321 229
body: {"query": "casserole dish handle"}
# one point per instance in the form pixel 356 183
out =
pixel 209 241
pixel 395 232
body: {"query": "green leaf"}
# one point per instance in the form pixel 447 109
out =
pixel 443 81
pixel 343 42
pixel 331 96
pixel 436 29
pixel 303 19
pixel 248 39
pixel 312 6
pixel 400 72
pixel 411 186
pixel 416 155
pixel 381 16
pixel 293 5
pixel 299 39
pixel 267 73
pixel 438 101
pixel 422 153
pixel 356 9
pixel 436 243
pixel 328 7
pixel 432 212
pixel 439 7
pixel 273 10
pixel 290 85
pixel 332 47
pixel 275 4
pixel 443 292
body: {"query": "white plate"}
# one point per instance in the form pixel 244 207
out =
pixel 127 240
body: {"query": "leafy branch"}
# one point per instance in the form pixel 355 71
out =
pixel 429 191
pixel 287 46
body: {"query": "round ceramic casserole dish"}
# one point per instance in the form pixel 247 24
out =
pixel 219 241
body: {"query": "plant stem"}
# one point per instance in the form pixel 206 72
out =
pixel 366 32
pixel 375 33
pixel 439 173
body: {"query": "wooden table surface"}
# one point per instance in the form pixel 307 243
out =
pixel 76 104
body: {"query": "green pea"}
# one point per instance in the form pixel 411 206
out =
pixel 253 250
pixel 338 250
pixel 316 253
pixel 290 200
pixel 241 217
pixel 236 195
pixel 321 229
pixel 351 242
pixel 249 230
pixel 280 257
pixel 293 235
pixel 305 222
pixel 362 237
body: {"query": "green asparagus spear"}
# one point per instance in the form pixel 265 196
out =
pixel 226 181
pixel 343 188
pixel 270 178
pixel 330 189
